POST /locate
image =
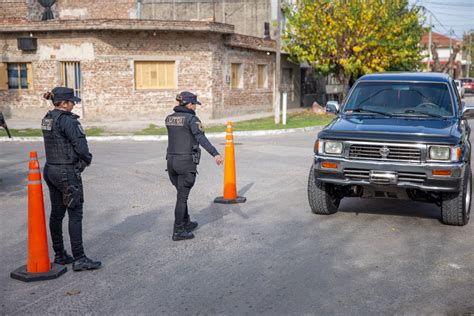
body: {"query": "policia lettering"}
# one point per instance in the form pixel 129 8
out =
pixel 185 134
pixel 67 155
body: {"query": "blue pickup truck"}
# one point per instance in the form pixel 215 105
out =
pixel 396 136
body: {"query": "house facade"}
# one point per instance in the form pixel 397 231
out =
pixel 127 63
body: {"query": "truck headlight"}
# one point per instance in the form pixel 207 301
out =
pixel 440 153
pixel 333 148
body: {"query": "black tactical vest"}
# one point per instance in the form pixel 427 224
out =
pixel 59 150
pixel 180 138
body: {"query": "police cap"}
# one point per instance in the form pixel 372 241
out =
pixel 64 94
pixel 186 97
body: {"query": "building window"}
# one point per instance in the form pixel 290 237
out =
pixel 262 81
pixel 155 75
pixel 237 77
pixel 71 76
pixel 16 76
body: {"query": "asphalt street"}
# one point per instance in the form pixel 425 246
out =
pixel 270 255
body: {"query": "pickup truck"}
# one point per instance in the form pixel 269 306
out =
pixel 396 136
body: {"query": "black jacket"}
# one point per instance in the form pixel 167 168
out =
pixel 185 131
pixel 64 139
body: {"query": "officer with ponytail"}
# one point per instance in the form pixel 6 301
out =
pixel 67 155
pixel 185 134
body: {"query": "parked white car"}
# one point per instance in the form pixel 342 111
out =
pixel 460 87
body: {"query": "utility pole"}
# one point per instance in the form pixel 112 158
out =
pixel 276 93
pixel 429 44
pixel 450 52
pixel 469 56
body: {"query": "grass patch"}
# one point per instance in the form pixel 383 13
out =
pixel 152 130
pixel 294 120
pixel 31 132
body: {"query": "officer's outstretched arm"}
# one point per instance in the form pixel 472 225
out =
pixel 198 132
pixel 74 132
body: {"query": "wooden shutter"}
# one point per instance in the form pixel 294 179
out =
pixel 155 75
pixel 3 76
pixel 29 72
pixel 261 76
pixel 170 75
pixel 235 75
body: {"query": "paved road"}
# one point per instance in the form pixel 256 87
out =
pixel 270 255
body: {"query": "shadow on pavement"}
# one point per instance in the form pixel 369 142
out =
pixel 390 207
pixel 215 212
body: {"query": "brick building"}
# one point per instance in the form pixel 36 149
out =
pixel 126 61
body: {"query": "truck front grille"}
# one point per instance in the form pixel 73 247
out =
pixel 384 152
pixel 364 175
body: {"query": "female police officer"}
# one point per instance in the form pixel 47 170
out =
pixel 67 155
pixel 185 134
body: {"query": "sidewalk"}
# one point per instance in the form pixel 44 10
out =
pixel 138 125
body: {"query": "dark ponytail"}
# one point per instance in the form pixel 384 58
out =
pixel 48 96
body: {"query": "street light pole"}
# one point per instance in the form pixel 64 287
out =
pixel 276 84
pixel 429 44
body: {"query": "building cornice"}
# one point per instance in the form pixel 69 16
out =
pixel 17 26
pixel 250 42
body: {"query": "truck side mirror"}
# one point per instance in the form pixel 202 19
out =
pixel 332 107
pixel 468 111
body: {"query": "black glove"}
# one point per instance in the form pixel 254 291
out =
pixel 81 165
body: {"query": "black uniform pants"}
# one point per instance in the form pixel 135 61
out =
pixel 66 193
pixel 182 173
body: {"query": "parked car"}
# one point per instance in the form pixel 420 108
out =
pixel 460 87
pixel 468 84
pixel 396 136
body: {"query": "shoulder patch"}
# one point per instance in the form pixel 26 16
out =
pixel 79 126
pixel 200 126
pixel 47 124
pixel 175 120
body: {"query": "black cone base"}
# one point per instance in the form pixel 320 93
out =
pixel 221 200
pixel 21 274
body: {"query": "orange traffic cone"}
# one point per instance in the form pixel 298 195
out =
pixel 230 182
pixel 38 266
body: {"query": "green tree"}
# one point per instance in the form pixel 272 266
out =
pixel 350 38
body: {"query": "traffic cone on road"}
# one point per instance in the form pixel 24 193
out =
pixel 230 182
pixel 38 266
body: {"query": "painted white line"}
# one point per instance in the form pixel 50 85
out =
pixel 147 138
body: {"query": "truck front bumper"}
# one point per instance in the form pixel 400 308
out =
pixel 343 171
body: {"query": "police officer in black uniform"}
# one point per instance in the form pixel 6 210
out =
pixel 185 134
pixel 67 155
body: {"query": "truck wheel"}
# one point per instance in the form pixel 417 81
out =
pixel 321 196
pixel 456 207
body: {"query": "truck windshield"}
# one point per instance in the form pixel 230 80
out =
pixel 427 99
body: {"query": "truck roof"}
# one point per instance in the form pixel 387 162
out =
pixel 407 76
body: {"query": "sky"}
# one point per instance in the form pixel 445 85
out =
pixel 455 15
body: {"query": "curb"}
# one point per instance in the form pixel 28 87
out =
pixel 147 138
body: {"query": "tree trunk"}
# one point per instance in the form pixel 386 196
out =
pixel 437 67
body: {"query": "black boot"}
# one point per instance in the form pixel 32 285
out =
pixel 63 258
pixel 180 233
pixel 84 263
pixel 190 226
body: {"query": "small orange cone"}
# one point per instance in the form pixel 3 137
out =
pixel 230 182
pixel 38 266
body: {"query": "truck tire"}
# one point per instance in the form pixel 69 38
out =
pixel 456 207
pixel 321 197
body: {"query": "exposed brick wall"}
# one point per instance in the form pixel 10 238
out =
pixel 107 57
pixel 97 9
pixel 13 9
pixel 249 98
